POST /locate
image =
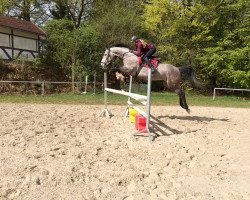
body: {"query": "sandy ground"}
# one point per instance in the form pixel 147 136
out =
pixel 69 152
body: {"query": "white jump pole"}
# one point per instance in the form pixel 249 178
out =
pixel 126 112
pixel 105 112
pixel 94 84
pixel 149 103
pixel 137 97
pixel 86 84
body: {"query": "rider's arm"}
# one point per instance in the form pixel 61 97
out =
pixel 138 50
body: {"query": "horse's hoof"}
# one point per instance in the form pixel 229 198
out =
pixel 188 111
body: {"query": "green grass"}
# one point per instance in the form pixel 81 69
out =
pixel 114 99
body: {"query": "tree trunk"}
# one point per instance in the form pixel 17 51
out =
pixel 26 10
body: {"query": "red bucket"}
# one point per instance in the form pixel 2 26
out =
pixel 140 122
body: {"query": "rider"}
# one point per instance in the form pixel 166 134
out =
pixel 143 49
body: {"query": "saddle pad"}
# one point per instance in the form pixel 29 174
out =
pixel 154 62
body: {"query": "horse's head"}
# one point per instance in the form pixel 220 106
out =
pixel 107 58
pixel 110 53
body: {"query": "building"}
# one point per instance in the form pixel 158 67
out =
pixel 19 38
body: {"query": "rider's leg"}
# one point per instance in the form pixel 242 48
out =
pixel 147 55
pixel 150 52
pixel 149 64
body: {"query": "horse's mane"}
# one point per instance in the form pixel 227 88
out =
pixel 121 45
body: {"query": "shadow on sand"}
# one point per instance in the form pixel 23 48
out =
pixel 157 126
pixel 193 118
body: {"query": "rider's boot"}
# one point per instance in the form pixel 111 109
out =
pixel 149 65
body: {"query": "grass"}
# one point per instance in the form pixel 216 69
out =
pixel 114 99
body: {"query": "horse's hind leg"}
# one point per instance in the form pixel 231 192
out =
pixel 182 97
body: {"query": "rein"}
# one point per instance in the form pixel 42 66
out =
pixel 124 54
pixel 122 57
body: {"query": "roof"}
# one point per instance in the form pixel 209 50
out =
pixel 20 24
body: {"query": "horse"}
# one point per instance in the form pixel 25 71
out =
pixel 168 73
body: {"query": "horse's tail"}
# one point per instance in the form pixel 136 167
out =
pixel 190 74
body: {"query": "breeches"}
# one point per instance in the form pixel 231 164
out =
pixel 149 53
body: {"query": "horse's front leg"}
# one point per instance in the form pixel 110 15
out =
pixel 120 77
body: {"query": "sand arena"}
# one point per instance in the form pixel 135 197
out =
pixel 69 152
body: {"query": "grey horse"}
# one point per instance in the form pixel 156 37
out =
pixel 168 73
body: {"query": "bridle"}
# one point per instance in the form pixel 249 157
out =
pixel 108 58
pixel 105 63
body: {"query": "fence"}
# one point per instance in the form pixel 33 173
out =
pixel 43 83
pixel 232 89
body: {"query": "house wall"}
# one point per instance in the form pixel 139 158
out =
pixel 5 40
pixel 25 43
pixel 5 37
pixel 5 30
pixel 16 43
pixel 25 40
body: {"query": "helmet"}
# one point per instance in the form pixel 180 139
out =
pixel 134 38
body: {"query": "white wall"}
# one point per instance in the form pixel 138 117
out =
pixel 4 40
pixel 25 43
pixel 5 30
pixel 25 34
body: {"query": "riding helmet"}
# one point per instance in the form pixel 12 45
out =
pixel 134 38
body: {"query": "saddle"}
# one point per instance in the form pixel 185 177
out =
pixel 153 60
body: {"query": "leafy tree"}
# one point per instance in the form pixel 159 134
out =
pixel 29 10
pixel 4 4
pixel 116 20
pixel 59 31
pixel 212 36
pixel 172 24
pixel 228 58
pixel 89 47
pixel 76 10
pixel 71 48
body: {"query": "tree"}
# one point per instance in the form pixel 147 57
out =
pixel 4 4
pixel 29 10
pixel 227 59
pixel 210 35
pixel 171 24
pixel 76 10
pixel 116 20
pixel 71 48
